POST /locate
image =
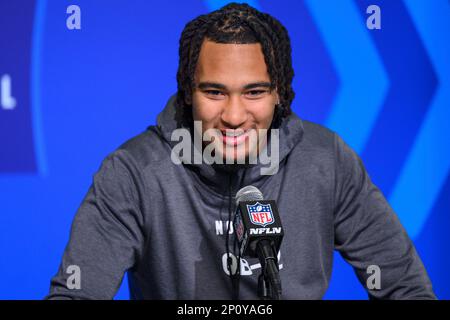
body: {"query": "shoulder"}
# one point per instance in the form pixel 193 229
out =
pixel 324 142
pixel 317 140
pixel 145 148
pixel 318 135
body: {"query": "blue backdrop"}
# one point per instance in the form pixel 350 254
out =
pixel 70 97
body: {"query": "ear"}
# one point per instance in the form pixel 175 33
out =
pixel 188 100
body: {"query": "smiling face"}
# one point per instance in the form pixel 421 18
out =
pixel 232 94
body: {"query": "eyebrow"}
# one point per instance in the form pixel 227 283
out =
pixel 207 84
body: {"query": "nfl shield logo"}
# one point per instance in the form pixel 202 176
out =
pixel 260 214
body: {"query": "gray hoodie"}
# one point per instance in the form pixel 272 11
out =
pixel 165 224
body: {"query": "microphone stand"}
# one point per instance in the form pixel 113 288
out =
pixel 269 282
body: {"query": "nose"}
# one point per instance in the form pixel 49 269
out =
pixel 235 114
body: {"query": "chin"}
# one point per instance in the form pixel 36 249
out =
pixel 242 157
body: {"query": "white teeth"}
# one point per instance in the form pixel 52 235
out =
pixel 235 133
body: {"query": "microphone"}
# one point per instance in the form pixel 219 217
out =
pixel 259 233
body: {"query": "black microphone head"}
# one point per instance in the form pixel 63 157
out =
pixel 248 193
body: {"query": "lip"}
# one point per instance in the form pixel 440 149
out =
pixel 234 141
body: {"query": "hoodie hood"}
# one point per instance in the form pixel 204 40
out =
pixel 218 178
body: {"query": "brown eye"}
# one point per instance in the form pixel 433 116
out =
pixel 213 92
pixel 256 93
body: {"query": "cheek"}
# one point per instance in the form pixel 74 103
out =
pixel 263 113
pixel 205 110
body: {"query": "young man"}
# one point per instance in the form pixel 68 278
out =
pixel 163 217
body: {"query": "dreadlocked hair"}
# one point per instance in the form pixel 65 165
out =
pixel 238 24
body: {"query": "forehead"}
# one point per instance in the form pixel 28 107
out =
pixel 231 63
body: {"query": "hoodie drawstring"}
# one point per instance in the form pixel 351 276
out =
pixel 235 277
